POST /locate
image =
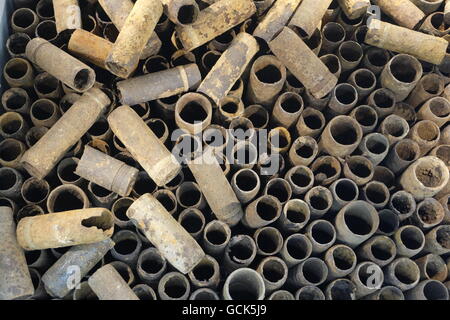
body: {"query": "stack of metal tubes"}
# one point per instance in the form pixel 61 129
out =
pixel 226 149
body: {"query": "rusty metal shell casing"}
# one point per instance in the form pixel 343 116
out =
pixel 420 45
pixel 216 188
pixel 165 233
pixel 427 6
pixel 144 145
pixel 266 80
pixel 316 78
pixel 24 20
pixel 106 171
pixel 18 72
pixel 429 86
pixel 15 279
pixel 427 135
pixel 229 67
pixel 62 229
pixel 213 21
pixel 57 278
pixel 341 136
pixel 181 12
pixel 158 85
pixel 108 284
pixel 67 15
pixel 425 177
pixel 436 109
pixel 43 156
pixel 193 112
pixel 275 19
pixel 90 47
pixel 354 9
pixel 400 75
pixel 403 12
pixel 69 70
pixel 133 37
pixel 309 15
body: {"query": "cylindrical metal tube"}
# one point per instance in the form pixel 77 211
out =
pixel 181 12
pixel 311 272
pixel 379 249
pixel 274 272
pixel 375 59
pixel 262 212
pixel 309 15
pixel 354 8
pixel 376 193
pixel 74 227
pixel 294 216
pixel 287 109
pixel 67 15
pixel 268 241
pixel 341 136
pixel 193 220
pixel 319 200
pixel 403 12
pixel 402 273
pixel 15 280
pixel 429 213
pixel 35 191
pixel 158 162
pixel 409 240
pixel 246 185
pixel 340 289
pixel 429 86
pixel 206 274
pixel 244 284
pixel 301 179
pixel 350 54
pixel 229 67
pixel 340 260
pixel 213 21
pixel 366 116
pixel 343 191
pixel 42 156
pixel 432 267
pixel 387 293
pixel 375 147
pixel 18 72
pixel 61 65
pixel 90 47
pixel 356 222
pixel 133 37
pixel 296 248
pixel 425 177
pixel 361 277
pixel 151 266
pixel 106 171
pixel 216 236
pixel 163 231
pixel 17 100
pixel 239 253
pixel 364 82
pixel 401 74
pixel 57 279
pixel 402 154
pixel 127 247
pixel 11 153
pixel 343 99
pixel 326 170
pixel 317 78
pixel 321 234
pixel 427 135
pixel 24 20
pixel 44 113
pixel 276 18
pixel 391 37
pixel 168 82
pixel 11 182
pixel 359 169
pixel 310 123
pixel 437 240
pixel 108 284
pixel 436 109
pixel 428 290
pixel 193 112
pixel 333 34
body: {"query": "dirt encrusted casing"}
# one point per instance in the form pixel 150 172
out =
pixel 165 233
pixel 108 284
pixel 118 11
pixel 15 279
pixel 69 70
pixel 106 171
pixel 213 21
pixel 160 164
pixel 423 46
pixel 64 229
pixel 316 78
pixel 40 159
pixel 67 15
pixel 159 85
pixel 133 37
pixel 229 68
pixel 90 47
pixel 59 280
pixel 216 188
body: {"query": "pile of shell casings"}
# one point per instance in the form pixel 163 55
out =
pixel 226 149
